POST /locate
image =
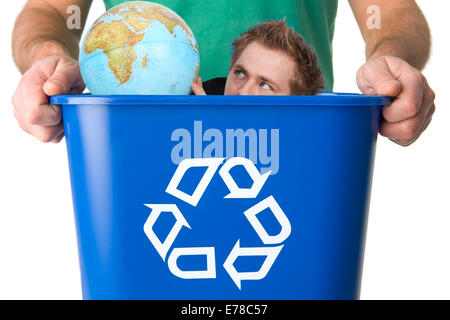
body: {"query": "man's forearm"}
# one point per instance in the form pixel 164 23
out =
pixel 401 29
pixel 404 33
pixel 41 32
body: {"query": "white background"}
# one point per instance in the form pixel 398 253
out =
pixel 408 240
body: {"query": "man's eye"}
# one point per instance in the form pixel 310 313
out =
pixel 239 73
pixel 265 86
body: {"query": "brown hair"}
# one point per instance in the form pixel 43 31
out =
pixel 308 78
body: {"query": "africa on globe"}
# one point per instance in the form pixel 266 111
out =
pixel 139 47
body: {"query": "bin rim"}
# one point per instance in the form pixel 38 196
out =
pixel 323 99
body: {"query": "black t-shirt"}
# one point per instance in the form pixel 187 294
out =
pixel 215 86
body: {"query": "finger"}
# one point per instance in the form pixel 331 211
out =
pixel 31 107
pixel 410 128
pixel 45 115
pixel 430 117
pixel 19 116
pixel 30 94
pixel 375 77
pixel 66 78
pixel 415 92
pixel 394 77
pixel 58 138
pixel 427 121
pixel 406 129
pixel 46 133
pixel 197 87
pixel 32 110
pixel 37 110
pixel 407 105
pixel 406 142
pixel 409 140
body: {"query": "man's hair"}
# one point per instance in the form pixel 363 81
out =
pixel 308 78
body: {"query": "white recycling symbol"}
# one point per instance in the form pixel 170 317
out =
pixel 212 164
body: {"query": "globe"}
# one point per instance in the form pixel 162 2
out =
pixel 139 47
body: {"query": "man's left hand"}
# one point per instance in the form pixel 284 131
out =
pixel 413 107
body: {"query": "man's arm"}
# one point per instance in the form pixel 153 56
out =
pixel 40 31
pixel 45 50
pixel 395 53
pixel 403 32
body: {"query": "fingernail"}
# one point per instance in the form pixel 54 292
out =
pixel 385 84
pixel 55 108
pixel 57 83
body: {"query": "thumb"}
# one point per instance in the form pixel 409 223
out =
pixel 197 87
pixel 65 79
pixel 53 87
pixel 389 87
pixel 375 77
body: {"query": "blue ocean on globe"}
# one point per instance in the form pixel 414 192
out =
pixel 139 48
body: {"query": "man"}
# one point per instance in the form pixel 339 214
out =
pixel 268 59
pixel 45 50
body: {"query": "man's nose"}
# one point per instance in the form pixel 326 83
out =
pixel 246 89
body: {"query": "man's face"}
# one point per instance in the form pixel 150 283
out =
pixel 260 71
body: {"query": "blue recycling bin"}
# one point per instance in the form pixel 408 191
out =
pixel 221 197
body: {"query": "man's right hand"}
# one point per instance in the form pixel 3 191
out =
pixel 47 77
